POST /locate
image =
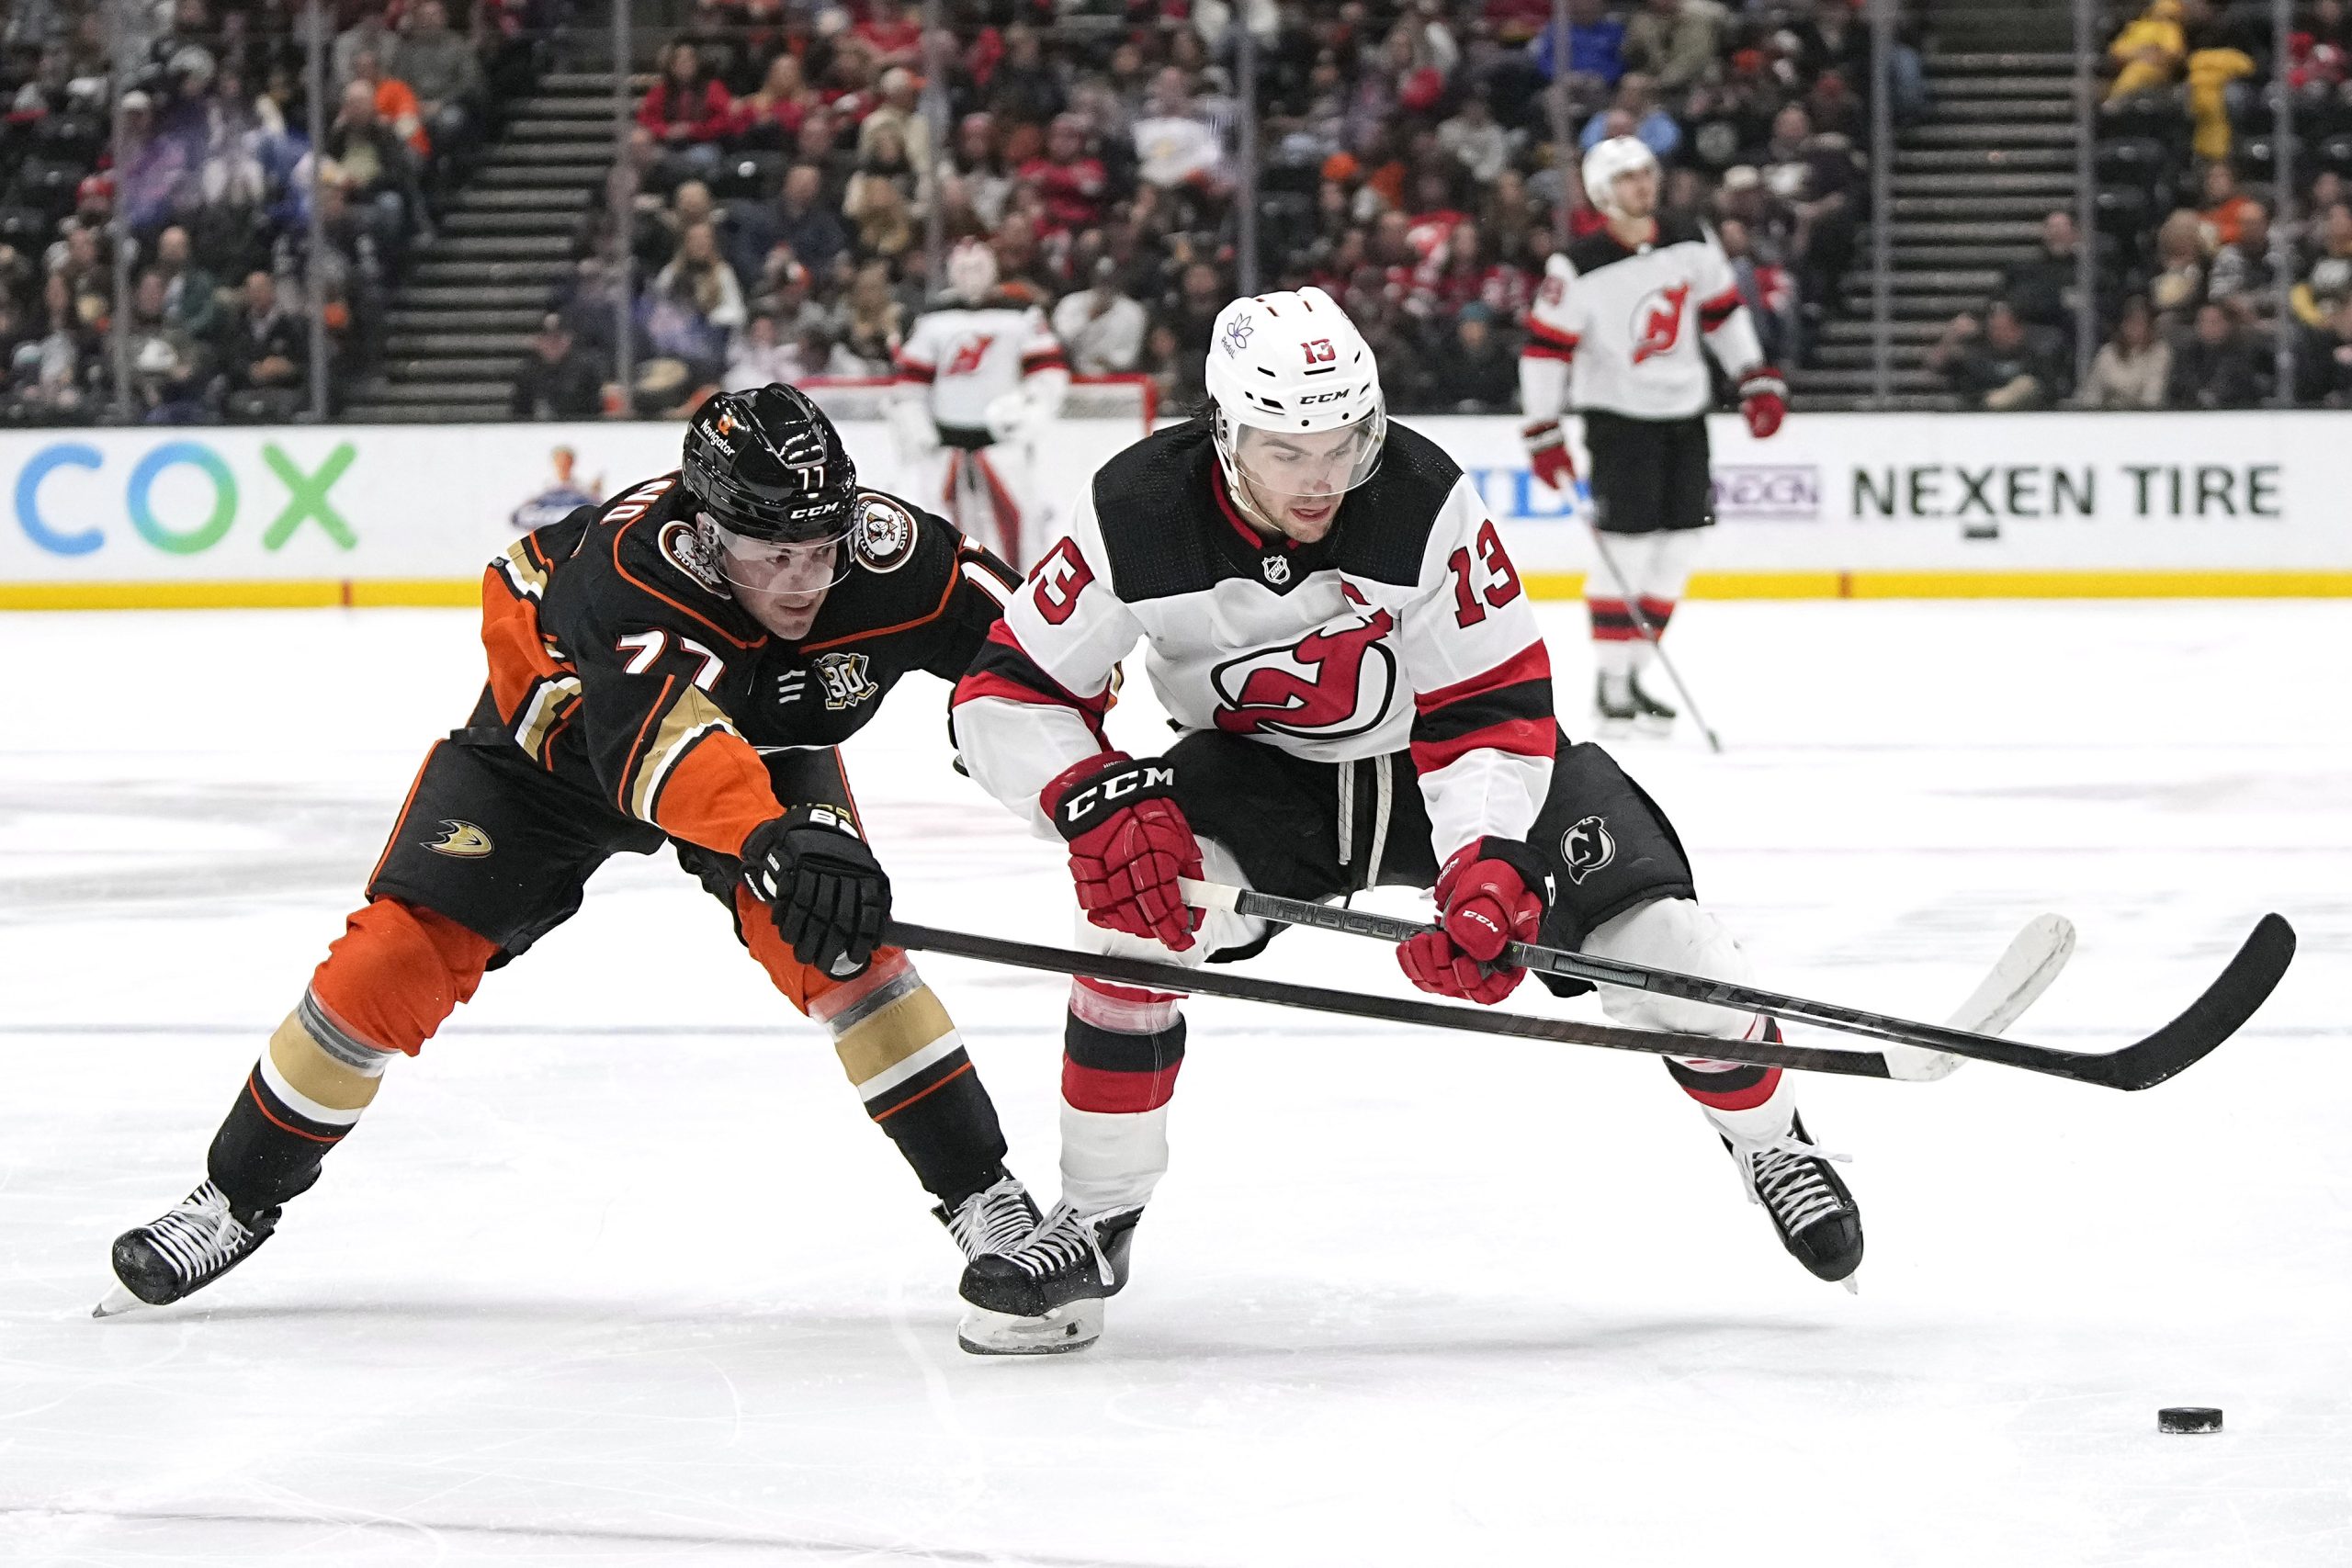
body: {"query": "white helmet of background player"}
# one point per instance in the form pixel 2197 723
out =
pixel 1609 162
pixel 1299 419
pixel 971 272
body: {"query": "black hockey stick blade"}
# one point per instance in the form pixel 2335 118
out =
pixel 1386 1009
pixel 2213 1018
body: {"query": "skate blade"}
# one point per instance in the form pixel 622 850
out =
pixel 1057 1333
pixel 119 1300
pixel 1853 1284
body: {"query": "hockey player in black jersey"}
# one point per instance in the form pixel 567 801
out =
pixel 676 667
pixel 1335 627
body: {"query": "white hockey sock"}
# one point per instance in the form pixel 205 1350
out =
pixel 1760 1125
pixel 1112 1159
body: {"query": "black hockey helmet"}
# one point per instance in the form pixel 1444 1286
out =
pixel 767 464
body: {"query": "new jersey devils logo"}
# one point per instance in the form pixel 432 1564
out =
pixel 968 358
pixel 1586 847
pixel 1330 685
pixel 1658 320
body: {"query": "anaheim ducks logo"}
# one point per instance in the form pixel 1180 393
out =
pixel 682 546
pixel 462 840
pixel 884 539
pixel 1586 847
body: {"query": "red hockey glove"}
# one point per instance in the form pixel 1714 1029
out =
pixel 1129 843
pixel 1764 399
pixel 1547 454
pixel 1489 895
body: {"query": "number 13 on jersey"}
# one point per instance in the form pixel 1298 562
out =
pixel 1501 585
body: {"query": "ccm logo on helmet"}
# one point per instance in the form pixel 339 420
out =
pixel 1079 804
pixel 1325 398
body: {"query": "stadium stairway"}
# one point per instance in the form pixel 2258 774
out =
pixel 462 319
pixel 1973 181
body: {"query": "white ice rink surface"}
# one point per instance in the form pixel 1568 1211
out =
pixel 617 1272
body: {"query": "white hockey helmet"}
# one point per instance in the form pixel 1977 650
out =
pixel 1610 159
pixel 971 271
pixel 1293 363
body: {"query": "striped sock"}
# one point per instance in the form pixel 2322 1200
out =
pixel 901 1051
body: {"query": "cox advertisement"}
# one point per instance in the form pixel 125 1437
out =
pixel 1835 503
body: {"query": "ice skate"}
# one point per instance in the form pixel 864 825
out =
pixel 1044 1296
pixel 1649 713
pixel 994 1221
pixel 1810 1207
pixel 200 1239
pixel 1613 705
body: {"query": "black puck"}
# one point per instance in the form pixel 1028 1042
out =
pixel 2189 1418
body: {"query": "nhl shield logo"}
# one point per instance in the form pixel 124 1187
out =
pixel 1276 567
pixel 1586 847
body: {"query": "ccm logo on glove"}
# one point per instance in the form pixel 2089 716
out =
pixel 1491 894
pixel 1129 843
pixel 1136 781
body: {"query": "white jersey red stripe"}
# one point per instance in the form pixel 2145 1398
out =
pixel 1406 629
pixel 1620 330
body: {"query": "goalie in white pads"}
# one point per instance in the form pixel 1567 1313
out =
pixel 1616 333
pixel 977 382
pixel 1331 617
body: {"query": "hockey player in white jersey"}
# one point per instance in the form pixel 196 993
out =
pixel 1615 334
pixel 977 382
pixel 1331 617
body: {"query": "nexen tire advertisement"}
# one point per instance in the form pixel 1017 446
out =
pixel 1941 502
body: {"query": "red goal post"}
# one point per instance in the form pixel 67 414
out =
pixel 1130 402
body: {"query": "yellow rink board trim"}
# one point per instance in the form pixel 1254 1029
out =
pixel 252 594
pixel 2079 584
pixel 463 592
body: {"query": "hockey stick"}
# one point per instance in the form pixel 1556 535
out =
pixel 2228 1002
pixel 2025 970
pixel 1641 621
pixel 1386 1009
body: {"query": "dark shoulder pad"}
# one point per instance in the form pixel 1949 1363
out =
pixel 1155 508
pixel 640 562
pixel 1595 250
pixel 1680 228
pixel 902 561
pixel 1385 530
pixel 557 542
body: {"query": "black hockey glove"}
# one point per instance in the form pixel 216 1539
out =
pixel 826 890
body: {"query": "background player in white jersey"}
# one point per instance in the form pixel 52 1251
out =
pixel 1331 619
pixel 978 380
pixel 1616 333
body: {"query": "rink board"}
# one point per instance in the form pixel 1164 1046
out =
pixel 1835 506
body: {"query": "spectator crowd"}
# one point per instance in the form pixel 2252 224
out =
pixel 782 183
pixel 2198 282
pixel 155 170
pixel 784 186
